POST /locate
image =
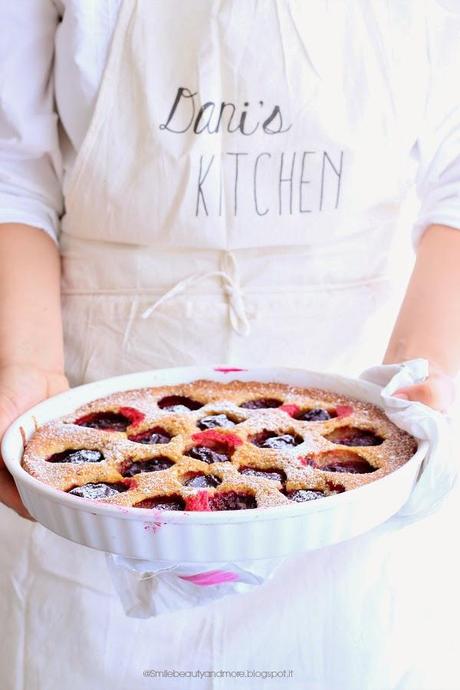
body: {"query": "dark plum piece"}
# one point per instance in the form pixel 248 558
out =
pixel 177 403
pixel 105 421
pixel 271 473
pixel 172 502
pixel 151 436
pixel 315 415
pixel 153 465
pixel 214 421
pixel 353 436
pixel 302 495
pixel 261 404
pixel 232 500
pixel 350 466
pixel 77 456
pixel 279 442
pixel 341 461
pixel 208 455
pixel 270 439
pixel 100 490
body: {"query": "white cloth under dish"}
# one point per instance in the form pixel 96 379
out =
pixel 151 588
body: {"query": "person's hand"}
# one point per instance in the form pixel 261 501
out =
pixel 21 387
pixel 437 391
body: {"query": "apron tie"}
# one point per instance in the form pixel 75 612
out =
pixel 232 288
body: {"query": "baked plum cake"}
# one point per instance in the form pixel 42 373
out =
pixel 207 445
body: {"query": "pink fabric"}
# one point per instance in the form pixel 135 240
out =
pixel 211 577
pixel 227 370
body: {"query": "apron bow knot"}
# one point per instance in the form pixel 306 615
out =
pixel 232 288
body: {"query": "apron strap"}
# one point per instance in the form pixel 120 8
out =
pixel 232 288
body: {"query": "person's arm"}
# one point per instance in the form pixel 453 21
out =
pixel 31 359
pixel 31 347
pixel 428 324
pixel 429 321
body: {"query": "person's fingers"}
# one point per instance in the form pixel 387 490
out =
pixel 8 412
pixel 9 495
pixel 20 388
pixel 437 392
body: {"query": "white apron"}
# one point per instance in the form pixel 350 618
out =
pixel 222 210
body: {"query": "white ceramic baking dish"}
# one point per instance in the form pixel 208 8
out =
pixel 203 537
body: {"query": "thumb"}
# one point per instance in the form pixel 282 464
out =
pixel 436 392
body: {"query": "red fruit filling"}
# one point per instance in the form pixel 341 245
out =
pixel 134 416
pixel 353 436
pixel 176 403
pixel 215 421
pixel 198 480
pixel 214 446
pixel 77 456
pixel 200 501
pixel 340 461
pixel 232 500
pixel 343 410
pixel 154 465
pixel 211 437
pixel 270 439
pixel 106 421
pixel 151 436
pixel 335 488
pixel 100 490
pixel 272 473
pixel 171 502
pixel 291 410
pixel 261 404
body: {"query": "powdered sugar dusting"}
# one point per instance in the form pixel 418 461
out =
pixel 215 398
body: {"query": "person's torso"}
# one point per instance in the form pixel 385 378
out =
pixel 308 117
pixel 237 133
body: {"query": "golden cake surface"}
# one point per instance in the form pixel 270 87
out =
pixel 207 445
